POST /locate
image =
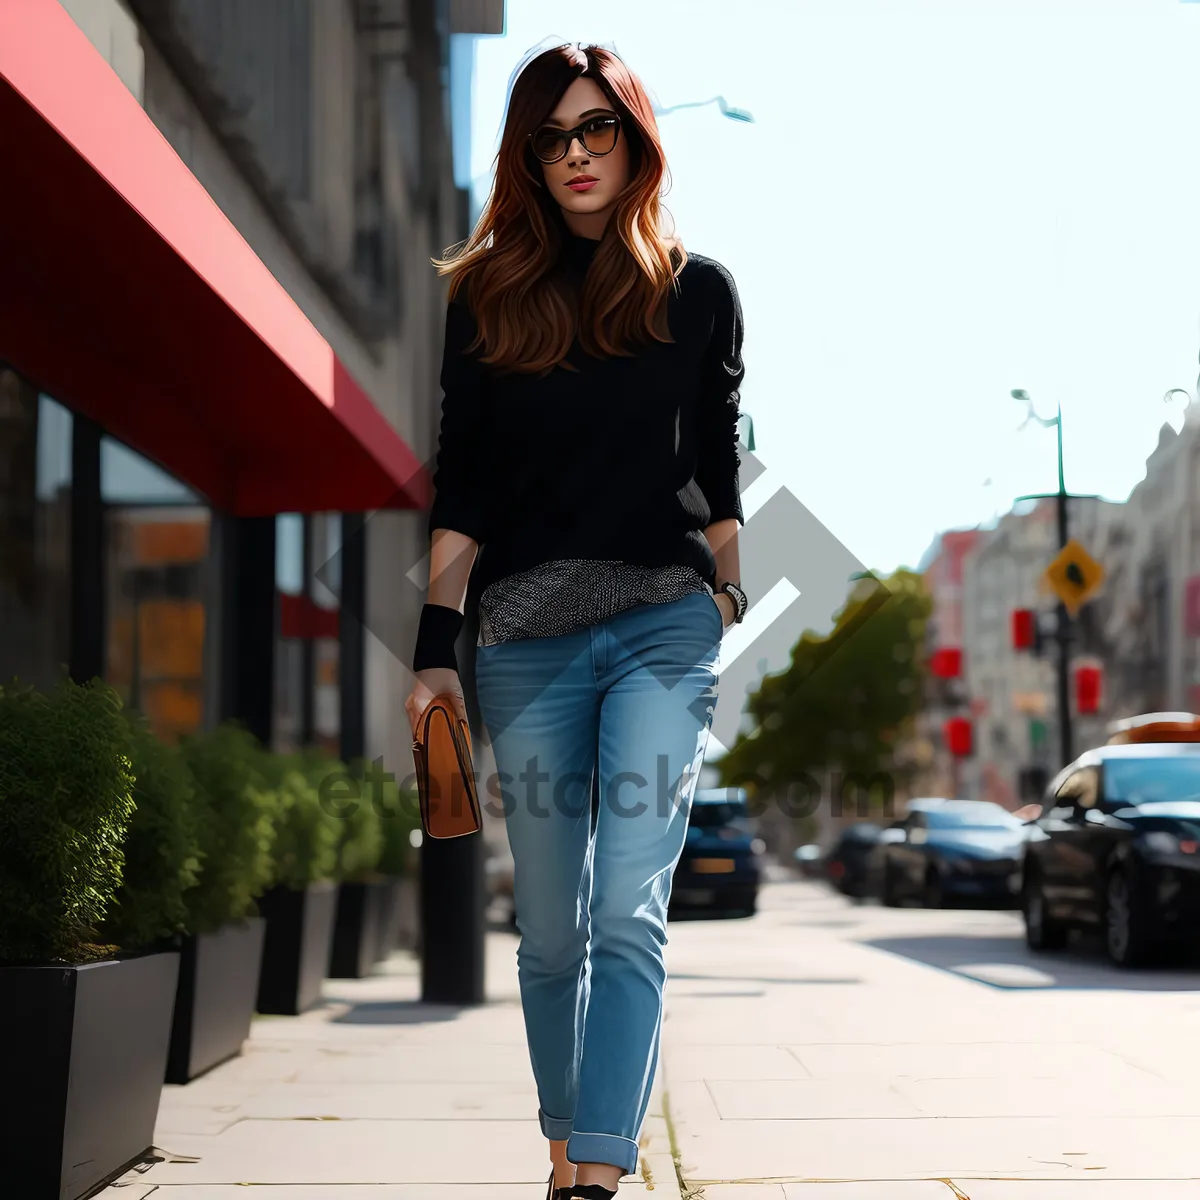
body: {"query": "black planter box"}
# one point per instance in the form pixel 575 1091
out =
pixel 296 948
pixel 218 987
pixel 358 934
pixel 83 1052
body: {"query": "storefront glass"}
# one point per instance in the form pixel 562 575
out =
pixel 35 534
pixel 157 535
pixel 326 533
pixel 287 733
pixel 307 699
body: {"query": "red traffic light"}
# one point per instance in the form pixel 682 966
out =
pixel 1024 628
pixel 1089 682
pixel 957 734
pixel 946 663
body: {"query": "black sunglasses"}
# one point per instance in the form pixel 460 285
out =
pixel 598 135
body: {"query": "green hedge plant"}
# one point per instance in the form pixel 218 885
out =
pixel 235 826
pixel 66 800
pixel 163 846
pixel 356 810
pixel 400 815
pixel 305 837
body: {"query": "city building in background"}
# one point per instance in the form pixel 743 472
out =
pixel 220 337
pixel 1013 696
pixel 1135 646
pixel 1149 616
pixel 943 569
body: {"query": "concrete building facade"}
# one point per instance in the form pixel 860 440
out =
pixel 322 130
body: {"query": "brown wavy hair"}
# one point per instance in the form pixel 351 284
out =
pixel 526 313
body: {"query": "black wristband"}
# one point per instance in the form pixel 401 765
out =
pixel 436 634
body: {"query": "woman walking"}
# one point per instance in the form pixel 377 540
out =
pixel 587 471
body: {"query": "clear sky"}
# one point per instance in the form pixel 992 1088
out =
pixel 939 201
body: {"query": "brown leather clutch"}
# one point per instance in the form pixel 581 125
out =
pixel 446 784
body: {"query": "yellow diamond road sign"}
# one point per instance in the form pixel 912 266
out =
pixel 1073 576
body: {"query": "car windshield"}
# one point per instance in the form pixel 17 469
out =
pixel 971 816
pixel 1135 781
pixel 710 816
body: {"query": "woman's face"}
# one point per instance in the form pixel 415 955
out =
pixel 584 183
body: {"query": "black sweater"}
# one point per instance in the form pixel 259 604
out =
pixel 627 459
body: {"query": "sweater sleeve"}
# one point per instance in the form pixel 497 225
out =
pixel 718 459
pixel 460 474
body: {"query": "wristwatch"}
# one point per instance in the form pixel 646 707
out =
pixel 738 597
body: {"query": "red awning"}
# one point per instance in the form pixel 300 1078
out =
pixel 126 293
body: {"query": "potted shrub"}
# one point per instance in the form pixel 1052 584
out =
pixel 299 908
pixel 348 799
pixel 400 817
pixel 212 776
pixel 161 848
pixel 85 1028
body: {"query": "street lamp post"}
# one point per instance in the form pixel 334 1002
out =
pixel 1063 631
pixel 727 109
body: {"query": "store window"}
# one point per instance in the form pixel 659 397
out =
pixel 326 534
pixel 287 710
pixel 307 700
pixel 157 536
pixel 35 533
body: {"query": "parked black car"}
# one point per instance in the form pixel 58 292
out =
pixel 1117 849
pixel 947 851
pixel 847 864
pixel 718 871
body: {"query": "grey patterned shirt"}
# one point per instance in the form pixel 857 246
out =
pixel 570 594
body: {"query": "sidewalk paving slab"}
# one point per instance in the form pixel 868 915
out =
pixel 358 1152
pixel 925 1076
pixel 466 1062
pixel 1087 1096
pixel 873 1190
pixel 392 1102
pixel 815 1052
pixel 978 1060
pixel 921 1148
pixel 744 1191
pixel 375 1096
pixel 692 1063
pixel 1092 1189
pixel 809 1099
pixel 896 1189
pixel 401 1191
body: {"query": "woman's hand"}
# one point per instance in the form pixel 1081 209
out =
pixel 429 683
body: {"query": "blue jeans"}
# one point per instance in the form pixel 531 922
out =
pixel 630 699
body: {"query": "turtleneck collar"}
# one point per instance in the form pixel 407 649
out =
pixel 578 249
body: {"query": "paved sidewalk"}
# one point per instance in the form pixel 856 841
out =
pixel 913 1055
pixel 821 1051
pixel 374 1096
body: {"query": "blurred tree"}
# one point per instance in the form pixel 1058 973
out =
pixel 847 702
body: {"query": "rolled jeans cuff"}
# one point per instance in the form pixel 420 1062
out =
pixel 554 1129
pixel 608 1148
